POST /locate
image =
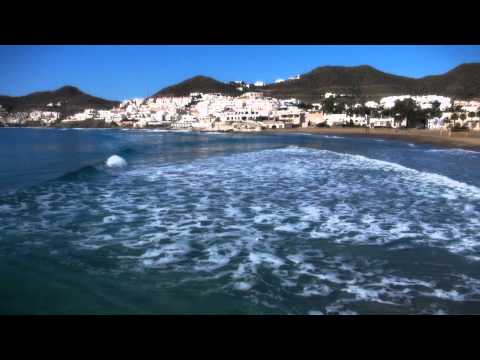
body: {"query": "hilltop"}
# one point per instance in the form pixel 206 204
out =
pixel 362 82
pixel 198 83
pixel 69 98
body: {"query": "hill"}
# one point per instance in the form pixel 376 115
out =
pixel 72 100
pixel 199 83
pixel 462 82
pixel 362 82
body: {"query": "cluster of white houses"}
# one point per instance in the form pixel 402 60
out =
pixel 251 111
pixel 248 112
pixel 45 118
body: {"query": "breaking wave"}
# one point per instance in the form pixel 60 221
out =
pixel 332 136
pixel 272 223
pixel 454 151
pixel 116 161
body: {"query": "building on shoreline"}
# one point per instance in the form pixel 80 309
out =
pixel 253 110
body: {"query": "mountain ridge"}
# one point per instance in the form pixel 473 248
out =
pixel 363 81
pixel 71 98
pixel 199 83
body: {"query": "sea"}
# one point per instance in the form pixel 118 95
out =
pixel 217 223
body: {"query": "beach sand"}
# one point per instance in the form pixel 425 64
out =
pixel 465 140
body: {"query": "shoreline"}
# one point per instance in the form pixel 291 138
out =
pixel 463 140
pixel 466 141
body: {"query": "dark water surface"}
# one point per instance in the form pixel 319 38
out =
pixel 238 224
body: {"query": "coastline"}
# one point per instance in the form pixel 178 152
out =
pixel 462 140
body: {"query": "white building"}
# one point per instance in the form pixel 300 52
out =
pixel 468 106
pixel 336 119
pixel 3 112
pixel 382 122
pixel 290 115
pixel 436 123
pixel 424 101
pixel 85 115
pixel 372 105
pixel 273 124
pixel 358 120
pixel 315 118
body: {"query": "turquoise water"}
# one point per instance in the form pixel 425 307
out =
pixel 235 224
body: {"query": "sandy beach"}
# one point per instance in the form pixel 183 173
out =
pixel 465 140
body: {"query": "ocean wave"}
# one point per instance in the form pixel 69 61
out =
pixel 115 161
pixel 216 133
pixel 270 222
pixel 454 151
pixel 83 172
pixel 333 136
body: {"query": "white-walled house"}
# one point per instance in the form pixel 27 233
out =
pixel 372 104
pixel 382 122
pixel 292 115
pixel 336 119
pixel 85 115
pixel 273 124
pixel 424 101
pixel 435 123
pixel 315 118
pixel 359 120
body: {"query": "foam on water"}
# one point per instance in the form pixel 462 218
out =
pixel 333 137
pixel 268 223
pixel 454 151
pixel 242 286
pixel 116 161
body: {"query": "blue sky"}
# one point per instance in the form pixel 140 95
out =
pixel 120 72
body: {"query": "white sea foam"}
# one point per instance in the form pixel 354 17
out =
pixel 338 309
pixel 454 151
pixel 265 258
pixel 293 228
pixel 242 286
pixel 447 295
pixel 297 259
pixel 109 219
pixel 165 255
pixel 264 218
pixel 364 294
pixel 5 208
pixel 116 161
pixel 333 137
pixel 318 290
pixel 216 133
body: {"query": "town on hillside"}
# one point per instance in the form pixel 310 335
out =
pixel 252 111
